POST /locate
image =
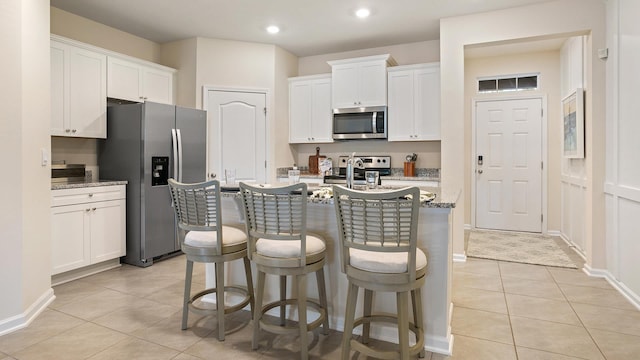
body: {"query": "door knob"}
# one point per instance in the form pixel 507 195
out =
pixel 213 175
pixel 480 171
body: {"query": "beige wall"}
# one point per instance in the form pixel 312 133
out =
pixel 403 54
pixel 228 63
pixel 547 64
pixel 88 31
pixel 181 55
pixel 523 23
pixel 286 66
pixel 25 252
pixel 245 65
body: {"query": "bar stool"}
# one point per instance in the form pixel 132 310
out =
pixel 198 211
pixel 378 237
pixel 276 220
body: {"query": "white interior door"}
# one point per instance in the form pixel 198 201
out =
pixel 509 165
pixel 237 134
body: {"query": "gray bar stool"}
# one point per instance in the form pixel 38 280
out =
pixel 279 245
pixel 378 237
pixel 198 211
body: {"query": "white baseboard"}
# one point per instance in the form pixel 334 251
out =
pixel 460 257
pixel 555 233
pixel 571 245
pixel 76 274
pixel 20 321
pixel 631 296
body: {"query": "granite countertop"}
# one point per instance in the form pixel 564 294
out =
pixel 443 199
pixel 85 184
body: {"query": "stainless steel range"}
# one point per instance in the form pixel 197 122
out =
pixel 381 164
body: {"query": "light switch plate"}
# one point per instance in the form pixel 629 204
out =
pixel 45 157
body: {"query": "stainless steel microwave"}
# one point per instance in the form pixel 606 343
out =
pixel 360 123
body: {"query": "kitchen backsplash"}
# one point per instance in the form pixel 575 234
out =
pixel 430 173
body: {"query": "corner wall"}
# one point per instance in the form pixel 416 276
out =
pixel 25 247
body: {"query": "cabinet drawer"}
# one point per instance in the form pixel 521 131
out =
pixel 85 195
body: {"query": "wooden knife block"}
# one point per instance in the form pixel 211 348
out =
pixel 409 168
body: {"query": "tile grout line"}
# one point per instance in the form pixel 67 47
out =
pixel 506 303
pixel 576 314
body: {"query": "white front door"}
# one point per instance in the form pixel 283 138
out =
pixel 237 134
pixel 508 163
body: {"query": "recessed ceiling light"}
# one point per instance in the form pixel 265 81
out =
pixel 363 13
pixel 273 29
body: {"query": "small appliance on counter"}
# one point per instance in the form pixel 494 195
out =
pixel 381 164
pixel 67 173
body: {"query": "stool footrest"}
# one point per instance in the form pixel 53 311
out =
pixel 386 318
pixel 284 329
pixel 228 309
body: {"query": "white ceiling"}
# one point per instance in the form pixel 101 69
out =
pixel 308 27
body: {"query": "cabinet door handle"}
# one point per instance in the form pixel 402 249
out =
pixel 93 209
pixel 90 195
pixel 74 131
pixel 87 210
pixel 67 130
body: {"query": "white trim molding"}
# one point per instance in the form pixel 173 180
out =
pixel 23 320
pixel 633 298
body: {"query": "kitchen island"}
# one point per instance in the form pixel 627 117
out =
pixel 434 237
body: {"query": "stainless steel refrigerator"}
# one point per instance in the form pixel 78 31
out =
pixel 147 144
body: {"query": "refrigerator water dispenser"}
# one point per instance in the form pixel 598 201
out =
pixel 160 169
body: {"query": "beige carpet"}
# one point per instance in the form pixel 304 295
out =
pixel 517 247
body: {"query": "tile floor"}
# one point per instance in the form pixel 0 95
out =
pixel 502 310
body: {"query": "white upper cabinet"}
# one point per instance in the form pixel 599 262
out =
pixel 360 82
pixel 310 114
pixel 137 81
pixel 78 91
pixel 414 102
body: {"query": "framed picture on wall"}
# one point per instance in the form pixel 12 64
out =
pixel 573 121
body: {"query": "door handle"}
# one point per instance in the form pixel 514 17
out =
pixel 213 175
pixel 480 171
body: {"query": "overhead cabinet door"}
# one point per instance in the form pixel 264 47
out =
pixel 310 116
pixel 133 81
pixel 360 82
pixel 414 102
pixel 78 91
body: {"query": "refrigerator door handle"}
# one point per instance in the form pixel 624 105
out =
pixel 179 155
pixel 174 145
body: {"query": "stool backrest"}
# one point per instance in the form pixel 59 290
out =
pixel 197 206
pixel 378 221
pixel 275 213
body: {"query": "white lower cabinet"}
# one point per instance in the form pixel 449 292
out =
pixel 88 226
